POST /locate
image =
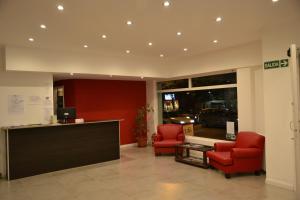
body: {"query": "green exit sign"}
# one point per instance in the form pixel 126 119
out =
pixel 276 64
pixel 284 63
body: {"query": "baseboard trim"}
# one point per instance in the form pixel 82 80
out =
pixel 281 184
pixel 128 145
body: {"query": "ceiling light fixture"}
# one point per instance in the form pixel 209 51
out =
pixel 31 39
pixel 161 55
pixel 215 41
pixel 129 22
pixel 166 3
pixel 150 44
pixel 179 33
pixel 218 19
pixel 274 1
pixel 127 51
pixel 185 49
pixel 85 46
pixel 104 36
pixel 60 7
pixel 43 26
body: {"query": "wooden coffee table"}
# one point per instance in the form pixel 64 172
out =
pixel 182 154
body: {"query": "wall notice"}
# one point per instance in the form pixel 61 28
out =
pixel 34 100
pixel 15 104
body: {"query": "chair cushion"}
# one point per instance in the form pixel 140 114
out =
pixel 169 131
pixel 167 143
pixel 223 158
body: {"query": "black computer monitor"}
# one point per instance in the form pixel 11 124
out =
pixel 66 113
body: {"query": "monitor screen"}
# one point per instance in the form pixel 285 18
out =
pixel 169 97
pixel 66 113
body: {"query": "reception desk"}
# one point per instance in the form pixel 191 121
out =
pixel 32 150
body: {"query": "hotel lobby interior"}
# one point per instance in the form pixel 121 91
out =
pixel 149 99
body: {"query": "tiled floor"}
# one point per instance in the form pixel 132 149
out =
pixel 140 175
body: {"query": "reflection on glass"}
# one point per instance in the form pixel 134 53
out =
pixel 220 79
pixel 175 84
pixel 207 110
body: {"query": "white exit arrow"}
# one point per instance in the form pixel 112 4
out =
pixel 284 63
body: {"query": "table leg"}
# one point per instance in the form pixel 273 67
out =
pixel 205 159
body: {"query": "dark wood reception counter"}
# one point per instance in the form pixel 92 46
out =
pixel 32 150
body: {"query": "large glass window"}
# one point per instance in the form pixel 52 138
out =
pixel 207 110
pixel 220 79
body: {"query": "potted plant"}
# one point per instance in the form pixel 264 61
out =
pixel 141 125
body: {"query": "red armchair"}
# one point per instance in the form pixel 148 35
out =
pixel 167 137
pixel 244 155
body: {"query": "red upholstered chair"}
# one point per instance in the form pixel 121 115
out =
pixel 244 155
pixel 167 137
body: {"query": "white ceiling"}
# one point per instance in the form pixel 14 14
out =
pixel 84 21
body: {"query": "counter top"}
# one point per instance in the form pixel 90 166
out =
pixel 57 124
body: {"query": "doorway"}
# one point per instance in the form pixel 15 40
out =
pixel 58 98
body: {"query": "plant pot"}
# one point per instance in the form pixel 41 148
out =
pixel 141 141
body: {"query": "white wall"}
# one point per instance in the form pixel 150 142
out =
pixel 258 106
pixel 250 99
pixel 25 84
pixel 248 55
pixel 245 99
pixel 280 157
pixel 105 63
pixel 45 60
pixel 152 118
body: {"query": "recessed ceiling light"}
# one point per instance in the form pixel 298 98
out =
pixel 215 41
pixel 161 55
pixel 166 3
pixel 31 39
pixel 185 49
pixel 60 7
pixel 43 26
pixel 129 22
pixel 179 33
pixel 104 36
pixel 218 19
pixel 275 1
pixel 150 44
pixel 85 46
pixel 127 51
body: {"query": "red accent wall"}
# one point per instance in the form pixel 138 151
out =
pixel 106 99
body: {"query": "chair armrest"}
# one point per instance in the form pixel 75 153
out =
pixel 245 152
pixel 180 137
pixel 158 138
pixel 224 146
